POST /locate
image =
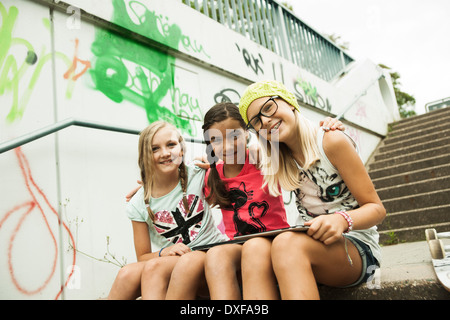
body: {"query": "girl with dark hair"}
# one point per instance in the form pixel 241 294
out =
pixel 234 185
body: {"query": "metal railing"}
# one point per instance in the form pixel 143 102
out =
pixel 438 104
pixel 55 127
pixel 275 27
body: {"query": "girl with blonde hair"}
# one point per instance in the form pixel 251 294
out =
pixel 169 216
pixel 334 195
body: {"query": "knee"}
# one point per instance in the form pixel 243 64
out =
pixel 214 259
pixel 218 260
pixel 288 243
pixel 126 274
pixel 289 237
pixel 153 267
pixel 256 256
pixel 256 248
pixel 193 261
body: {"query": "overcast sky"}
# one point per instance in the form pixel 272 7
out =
pixel 410 36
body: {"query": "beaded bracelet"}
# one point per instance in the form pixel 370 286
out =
pixel 348 219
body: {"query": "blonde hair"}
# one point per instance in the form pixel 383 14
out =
pixel 286 173
pixel 146 163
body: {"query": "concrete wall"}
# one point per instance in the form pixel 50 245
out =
pixel 165 61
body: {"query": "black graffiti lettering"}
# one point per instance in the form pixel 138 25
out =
pixel 227 95
pixel 252 61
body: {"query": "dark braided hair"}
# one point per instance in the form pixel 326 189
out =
pixel 218 194
pixel 184 183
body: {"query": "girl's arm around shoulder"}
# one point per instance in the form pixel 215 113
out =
pixel 202 162
pixel 133 192
pixel 341 152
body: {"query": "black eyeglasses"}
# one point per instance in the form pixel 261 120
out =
pixel 267 110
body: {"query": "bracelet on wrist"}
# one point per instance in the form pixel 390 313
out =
pixel 349 220
pixel 159 254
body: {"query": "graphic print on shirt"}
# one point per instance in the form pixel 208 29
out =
pixel 179 225
pixel 239 197
pixel 319 192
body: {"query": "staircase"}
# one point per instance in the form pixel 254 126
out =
pixel 411 173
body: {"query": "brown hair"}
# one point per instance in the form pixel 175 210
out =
pixel 146 164
pixel 219 194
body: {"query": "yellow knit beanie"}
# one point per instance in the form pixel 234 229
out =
pixel 267 88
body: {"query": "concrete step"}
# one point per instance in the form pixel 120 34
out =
pixel 423 186
pixel 409 157
pixel 411 172
pixel 406 273
pixel 415 217
pixel 416 121
pixel 408 167
pixel 393 144
pixel 418 201
pixel 412 176
pixel 425 128
pixel 386 146
pixel 410 234
pixel 389 152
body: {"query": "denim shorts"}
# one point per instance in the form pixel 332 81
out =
pixel 368 261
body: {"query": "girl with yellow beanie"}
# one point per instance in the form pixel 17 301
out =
pixel 334 196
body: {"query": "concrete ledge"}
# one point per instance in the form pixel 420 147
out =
pixel 401 290
pixel 406 274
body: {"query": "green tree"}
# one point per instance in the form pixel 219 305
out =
pixel 287 5
pixel 337 40
pixel 406 102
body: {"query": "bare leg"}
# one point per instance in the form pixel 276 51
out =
pixel 127 285
pixel 156 276
pixel 188 277
pixel 299 261
pixel 258 278
pixel 221 267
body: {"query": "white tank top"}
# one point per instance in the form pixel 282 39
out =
pixel 323 191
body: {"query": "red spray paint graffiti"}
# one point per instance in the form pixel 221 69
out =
pixel 40 203
pixel 71 71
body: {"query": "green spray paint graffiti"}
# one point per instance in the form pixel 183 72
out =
pixel 307 93
pixel 11 74
pixel 127 70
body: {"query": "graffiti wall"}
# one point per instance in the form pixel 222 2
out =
pixel 63 229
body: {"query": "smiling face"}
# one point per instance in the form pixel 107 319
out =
pixel 166 150
pixel 281 123
pixel 228 140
